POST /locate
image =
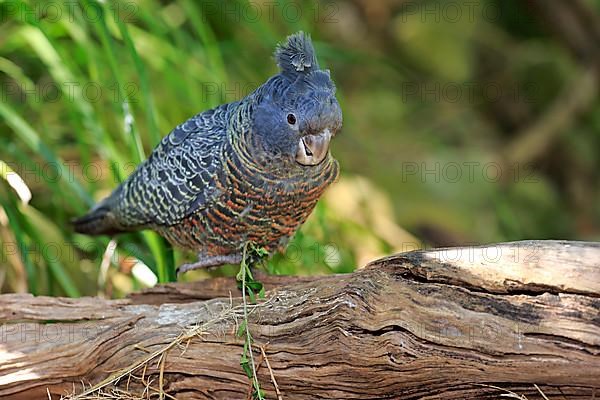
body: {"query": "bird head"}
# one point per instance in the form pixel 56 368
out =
pixel 297 114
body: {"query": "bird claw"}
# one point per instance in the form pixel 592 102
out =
pixel 209 262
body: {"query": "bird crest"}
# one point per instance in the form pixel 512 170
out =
pixel 296 55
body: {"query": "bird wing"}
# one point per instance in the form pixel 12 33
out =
pixel 179 176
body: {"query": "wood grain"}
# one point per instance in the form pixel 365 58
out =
pixel 441 324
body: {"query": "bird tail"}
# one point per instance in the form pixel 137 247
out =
pixel 98 221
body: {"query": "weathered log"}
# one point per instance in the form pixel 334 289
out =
pixel 455 323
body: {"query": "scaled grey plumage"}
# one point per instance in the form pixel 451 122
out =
pixel 177 179
pixel 250 170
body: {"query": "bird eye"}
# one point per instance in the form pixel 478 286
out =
pixel 291 119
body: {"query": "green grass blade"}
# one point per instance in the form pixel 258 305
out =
pixel 47 50
pixel 22 228
pixel 31 138
pixel 16 225
pixel 154 133
pixel 211 45
pixel 57 269
pixel 130 134
pixel 164 259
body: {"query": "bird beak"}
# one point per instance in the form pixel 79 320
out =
pixel 312 149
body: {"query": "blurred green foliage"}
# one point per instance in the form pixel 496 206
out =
pixel 436 97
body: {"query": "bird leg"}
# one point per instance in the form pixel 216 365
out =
pixel 209 262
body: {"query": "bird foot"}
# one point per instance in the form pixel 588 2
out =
pixel 209 262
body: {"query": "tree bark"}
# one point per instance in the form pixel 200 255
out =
pixel 456 323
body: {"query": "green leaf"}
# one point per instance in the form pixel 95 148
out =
pixel 251 296
pixel 254 285
pixel 247 368
pixel 242 329
pixel 258 394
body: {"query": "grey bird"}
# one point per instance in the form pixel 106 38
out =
pixel 247 171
